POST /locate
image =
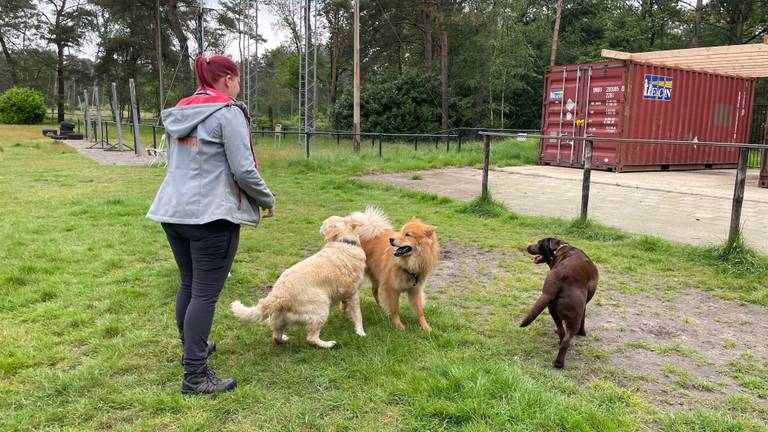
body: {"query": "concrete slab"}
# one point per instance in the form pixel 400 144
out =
pixel 685 206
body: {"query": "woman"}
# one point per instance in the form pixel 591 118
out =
pixel 212 187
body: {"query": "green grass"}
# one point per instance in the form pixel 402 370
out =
pixel 87 288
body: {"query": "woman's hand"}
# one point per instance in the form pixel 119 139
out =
pixel 268 213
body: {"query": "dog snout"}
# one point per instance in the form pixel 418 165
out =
pixel 392 241
pixel 532 249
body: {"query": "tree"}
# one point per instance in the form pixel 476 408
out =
pixel 15 17
pixel 67 22
pixel 338 15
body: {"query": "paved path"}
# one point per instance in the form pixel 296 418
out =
pixel 685 206
pixel 105 157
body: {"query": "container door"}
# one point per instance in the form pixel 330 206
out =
pixel 603 105
pixel 562 110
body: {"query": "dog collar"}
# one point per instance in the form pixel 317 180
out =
pixel 349 242
pixel 559 247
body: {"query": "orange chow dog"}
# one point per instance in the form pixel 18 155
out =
pixel 397 262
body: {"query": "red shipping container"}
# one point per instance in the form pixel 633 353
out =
pixel 624 99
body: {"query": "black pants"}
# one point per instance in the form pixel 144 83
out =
pixel 204 254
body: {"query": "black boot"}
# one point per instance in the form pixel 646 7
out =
pixel 204 381
pixel 211 348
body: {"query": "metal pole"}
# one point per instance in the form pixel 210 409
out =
pixel 486 162
pixel 106 131
pixel 356 71
pixel 200 29
pixel 154 136
pixel 135 116
pixel 586 179
pixel 738 195
pixel 459 142
pixel 306 140
pixel 96 92
pixel 87 117
pixel 379 145
pixel 115 108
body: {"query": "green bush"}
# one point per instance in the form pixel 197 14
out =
pixel 22 105
pixel 393 104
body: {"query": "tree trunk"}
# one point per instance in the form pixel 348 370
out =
pixel 334 61
pixel 697 17
pixel 443 66
pixel 178 32
pixel 738 19
pixel 10 61
pixel 60 81
pixel 159 61
pixel 444 76
pixel 556 33
pixel 426 27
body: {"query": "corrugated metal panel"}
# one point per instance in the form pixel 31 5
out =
pixel 676 104
pixel 629 100
pixel 606 106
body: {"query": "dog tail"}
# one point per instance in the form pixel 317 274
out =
pixel 373 222
pixel 537 308
pixel 252 314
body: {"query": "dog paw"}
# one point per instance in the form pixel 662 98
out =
pixel 427 328
pixel 330 344
pixel 399 326
pixel 558 364
pixel 360 332
pixel 281 340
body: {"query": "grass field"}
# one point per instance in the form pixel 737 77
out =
pixel 87 288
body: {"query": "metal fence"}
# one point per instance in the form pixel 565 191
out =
pixel 741 171
pixel 376 138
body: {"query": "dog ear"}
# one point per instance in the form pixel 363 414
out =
pixel 331 232
pixel 352 224
pixel 430 230
pixel 553 243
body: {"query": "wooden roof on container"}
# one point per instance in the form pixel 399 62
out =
pixel 749 60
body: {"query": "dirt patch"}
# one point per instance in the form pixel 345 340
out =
pixel 461 265
pixel 680 345
pixel 676 346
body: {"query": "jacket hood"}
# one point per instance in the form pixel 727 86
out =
pixel 180 121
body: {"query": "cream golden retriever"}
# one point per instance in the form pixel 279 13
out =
pixel 304 293
pixel 397 262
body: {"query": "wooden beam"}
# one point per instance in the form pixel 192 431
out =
pixel 723 56
pixel 750 60
pixel 620 55
pixel 728 49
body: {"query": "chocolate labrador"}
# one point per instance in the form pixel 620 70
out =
pixel 568 287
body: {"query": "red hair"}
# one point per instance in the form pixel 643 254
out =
pixel 209 71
